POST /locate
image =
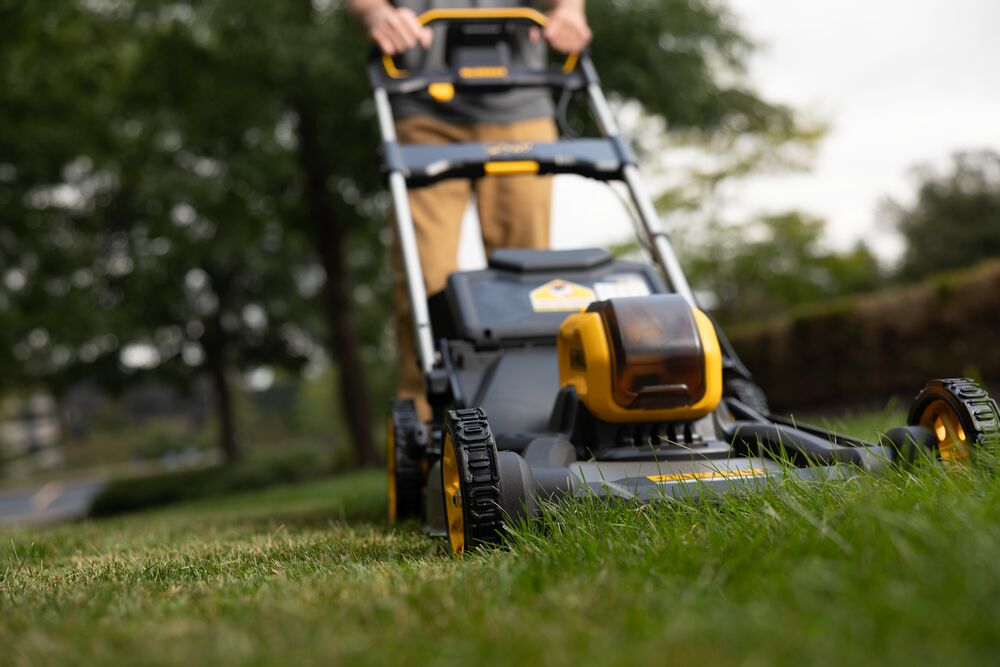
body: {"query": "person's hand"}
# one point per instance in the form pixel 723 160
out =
pixel 396 30
pixel 566 30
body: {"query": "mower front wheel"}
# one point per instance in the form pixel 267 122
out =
pixel 470 481
pixel 961 416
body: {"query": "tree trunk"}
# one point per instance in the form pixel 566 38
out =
pixel 329 235
pixel 223 405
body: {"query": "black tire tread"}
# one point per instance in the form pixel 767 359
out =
pixel 409 474
pixel 977 411
pixel 479 476
pixel 749 394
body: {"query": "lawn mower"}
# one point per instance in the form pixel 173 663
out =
pixel 556 374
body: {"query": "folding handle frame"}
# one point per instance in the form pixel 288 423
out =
pixel 578 72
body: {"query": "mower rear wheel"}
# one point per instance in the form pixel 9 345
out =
pixel 470 481
pixel 749 394
pixel 960 414
pixel 404 476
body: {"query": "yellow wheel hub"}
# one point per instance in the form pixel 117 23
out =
pixel 452 496
pixel 941 419
pixel 390 471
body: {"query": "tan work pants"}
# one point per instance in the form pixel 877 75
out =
pixel 513 211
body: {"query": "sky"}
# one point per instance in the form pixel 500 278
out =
pixel 899 83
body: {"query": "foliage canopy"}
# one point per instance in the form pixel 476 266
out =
pixel 955 220
pixel 201 178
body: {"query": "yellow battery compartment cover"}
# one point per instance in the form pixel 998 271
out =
pixel 642 359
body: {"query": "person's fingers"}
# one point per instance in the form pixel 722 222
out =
pixel 567 34
pixel 534 34
pixel 385 39
pixel 408 26
pixel 405 39
pixel 378 33
pixel 398 32
pixel 553 31
pixel 382 35
pixel 384 44
pixel 414 31
pixel 421 34
pixel 426 36
pixel 560 39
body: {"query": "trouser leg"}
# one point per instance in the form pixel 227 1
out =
pixel 515 211
pixel 437 220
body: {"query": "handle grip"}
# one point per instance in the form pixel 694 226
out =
pixel 525 15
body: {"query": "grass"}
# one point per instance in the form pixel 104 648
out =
pixel 898 569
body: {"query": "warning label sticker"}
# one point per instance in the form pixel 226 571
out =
pixel 561 295
pixel 627 284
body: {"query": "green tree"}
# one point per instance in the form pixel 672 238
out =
pixel 955 220
pixel 154 231
pixel 155 144
pixel 763 268
pixel 684 61
pixel 50 70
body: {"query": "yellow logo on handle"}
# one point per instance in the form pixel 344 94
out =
pixel 498 72
pixel 509 148
pixel 561 295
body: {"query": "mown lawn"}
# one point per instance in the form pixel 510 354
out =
pixel 902 569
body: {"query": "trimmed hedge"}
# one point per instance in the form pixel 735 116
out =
pixel 130 495
pixel 869 348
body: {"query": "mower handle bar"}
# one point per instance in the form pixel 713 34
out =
pixel 397 81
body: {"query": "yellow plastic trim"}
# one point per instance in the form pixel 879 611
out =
pixel 445 14
pixel 390 68
pixel 390 471
pixel 706 475
pixel 452 490
pixel 511 167
pixel 442 92
pixel 482 72
pixel 585 364
pixel 570 63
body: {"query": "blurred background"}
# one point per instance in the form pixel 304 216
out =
pixel 194 293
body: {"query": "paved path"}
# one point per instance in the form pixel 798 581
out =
pixel 50 502
pixel 67 499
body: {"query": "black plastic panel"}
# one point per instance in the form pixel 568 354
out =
pixel 494 307
pixel 427 164
pixel 525 260
pixel 516 387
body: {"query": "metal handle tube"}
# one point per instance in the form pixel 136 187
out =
pixel 407 237
pixel 657 241
pixel 602 111
pixel 384 113
pixel 663 251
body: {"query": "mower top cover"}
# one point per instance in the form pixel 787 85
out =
pixel 525 295
pixel 652 358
